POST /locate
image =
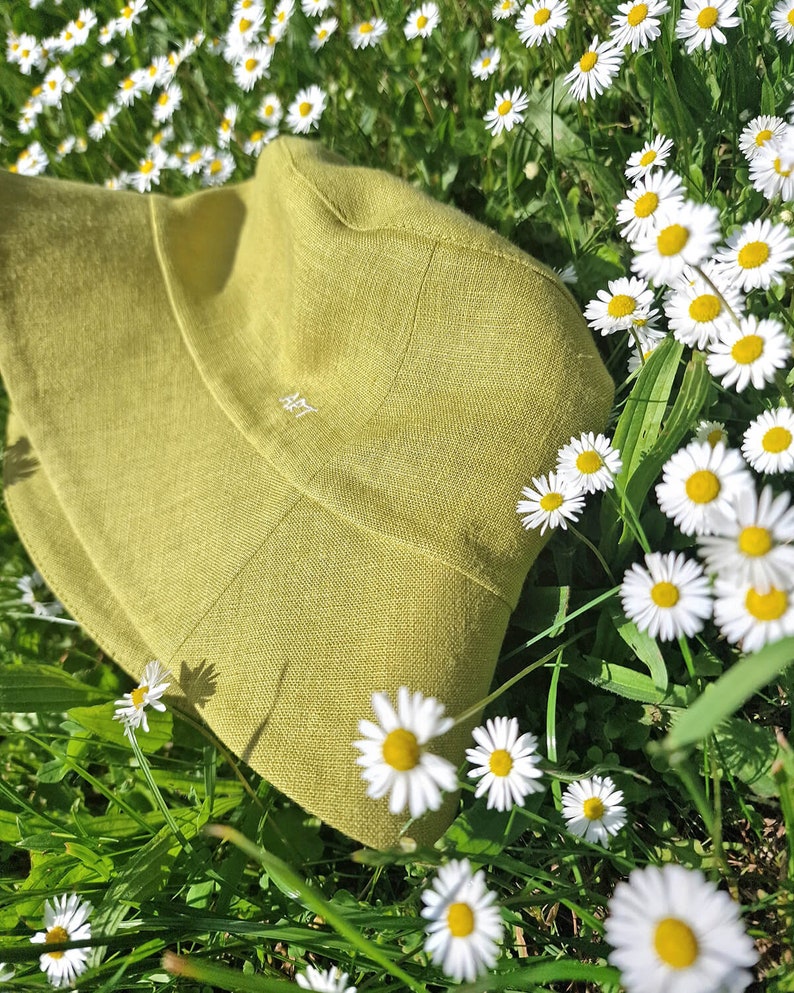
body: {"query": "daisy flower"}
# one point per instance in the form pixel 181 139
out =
pixel 486 63
pixel 540 20
pixel 782 21
pixel 131 87
pixel 768 443
pixel 699 480
pixel 30 587
pixel 394 757
pixel 672 931
pixel 149 170
pixel 508 111
pixel 281 17
pixel 253 64
pixel 638 210
pixel 638 358
pixel 772 168
pixel 225 131
pixel 328 981
pixel 616 308
pixel 595 70
pixel 65 919
pixel 637 24
pixel 757 256
pixel 131 709
pixel 701 22
pixel 712 432
pixel 695 312
pixel 270 110
pixel 593 809
pixel 684 235
pixel 218 168
pixel 367 33
pixel 503 9
pixel 102 122
pixel 758 132
pixel 463 927
pixel 551 503
pixel 242 32
pixel 753 542
pixel 167 103
pixel 652 155
pixel 193 160
pixel 422 21
pixel 129 14
pixel 505 763
pixel 590 462
pixel 668 598
pixel 749 353
pixel 313 8
pixel 322 32
pixel 31 161
pixel 306 109
pixel 753 616
pixel 257 140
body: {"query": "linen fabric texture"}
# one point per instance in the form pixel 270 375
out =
pixel 273 435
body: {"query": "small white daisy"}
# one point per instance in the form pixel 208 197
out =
pixel 699 480
pixel 328 981
pixel 638 358
pixel 486 63
pixel 712 432
pixel 253 64
pixel 749 353
pixel 242 32
pixel 225 131
pixel 772 168
pixel 508 111
pixel 505 762
pixel 672 931
pixel 758 255
pixel 218 168
pixel 590 462
pixel 30 587
pixel 150 169
pixel 652 155
pixel 192 160
pixel 669 597
pixel 464 927
pixel 257 140
pixel 697 307
pixel 422 21
pixel 701 22
pixel 313 8
pixel 322 32
pixel 550 504
pixel 637 24
pixel 593 809
pixel 768 443
pixel 306 109
pixel 782 20
pixel 131 709
pixel 637 212
pixel 270 110
pixel 684 235
pixel 65 919
pixel 617 307
pixel 103 121
pixel 281 17
pixel 128 15
pixel 504 9
pixel 758 132
pixel 394 757
pixel 753 617
pixel 595 70
pixel 365 34
pixel 540 21
pixel 167 103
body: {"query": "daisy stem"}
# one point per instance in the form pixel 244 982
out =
pixel 594 550
pixel 707 815
pixel 686 652
pixel 158 797
pixel 629 516
pixel 716 291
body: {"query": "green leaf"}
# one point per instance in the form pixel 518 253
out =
pixel 646 649
pixel 749 752
pixel 34 688
pixel 99 721
pixel 619 679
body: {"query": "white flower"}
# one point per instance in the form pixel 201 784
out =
pixel 617 307
pixel 684 235
pixel 593 809
pixel 28 587
pixel 464 927
pixel 701 22
pixel 637 24
pixel 422 21
pixel 313 8
pixel 486 63
pixel 6 972
pixel 217 169
pixel 695 312
pixel 668 598
pixel 192 160
pixel 330 981
pixel 503 9
pixel 322 32
pixel 550 503
pixel 65 919
pixel 595 70
pixel 540 20
pixel 128 15
pixel 131 709
pixel 749 353
pixel 757 255
pixel 589 462
pixel 758 132
pixel 167 103
pixel 102 122
pixel 257 140
pixel 54 85
pixel 281 17
pixel 699 480
pixel 253 64
pixel 270 110
pixel 652 155
pixel 653 191
pixel 753 541
pixel 755 617
pixel 31 161
pixel 306 109
pixel 394 758
pixel 712 432
pixel 782 20
pixel 508 111
pixel 768 443
pixel 149 169
pixel 772 168
pixel 367 33
pixel 672 931
pixel 242 32
pixel 505 763
pixel 637 358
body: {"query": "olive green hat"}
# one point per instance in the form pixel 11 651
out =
pixel 274 434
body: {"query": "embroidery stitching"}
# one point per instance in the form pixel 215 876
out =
pixel 297 405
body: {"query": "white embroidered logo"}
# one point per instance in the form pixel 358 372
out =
pixel 297 405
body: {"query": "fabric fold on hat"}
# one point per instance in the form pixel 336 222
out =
pixel 273 434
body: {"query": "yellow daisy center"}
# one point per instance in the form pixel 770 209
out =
pixel 589 461
pixel 67 35
pixel 621 305
pixel 748 349
pixel 705 308
pixel 504 108
pixel 128 84
pixel 637 14
pixel 126 12
pixel 714 436
pixel 648 157
pixel 322 33
pixel 500 763
pixel 763 137
pixel 754 541
pixel 401 750
pixel 593 808
pixel 707 18
pixel 702 486
pixel 486 62
pixel 215 167
pixel 79 24
pixel 256 135
pixel 460 920
pixel 588 61
pixel 365 28
pixel 421 21
pixel 245 24
pixel 163 99
pixel 251 64
pixel 753 254
pixel 551 501
pixel 140 692
pixel 541 16
pixel 664 594
pixel 53 936
pixel 645 205
pixel 674 941
pixel 281 16
pixel 779 168
pixel 146 167
pixel 776 439
pixel 53 85
pixel 269 110
pixel 304 108
pixel 766 606
pixel 790 17
pixel 672 239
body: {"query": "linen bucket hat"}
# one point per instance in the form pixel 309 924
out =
pixel 273 435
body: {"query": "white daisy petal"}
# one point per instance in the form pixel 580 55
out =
pixel 504 762
pixel 768 443
pixel 65 919
pixel 669 597
pixel 749 353
pixel 589 462
pixel 593 809
pixel 550 504
pixel 324 981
